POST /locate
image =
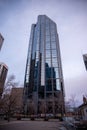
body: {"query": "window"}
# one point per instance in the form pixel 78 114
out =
pixel 47 32
pixel 48 45
pixel 48 85
pixel 54 62
pixel 56 72
pixel 53 45
pixel 48 72
pixel 56 84
pixel 27 78
pixel 48 54
pixel 48 38
pixel 53 38
pixel 37 54
pixel 28 68
pixel 54 53
pixel 48 62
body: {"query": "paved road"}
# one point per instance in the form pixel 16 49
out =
pixel 32 125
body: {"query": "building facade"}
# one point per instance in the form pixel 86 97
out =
pixel 1 40
pixel 3 74
pixel 82 109
pixel 17 98
pixel 43 84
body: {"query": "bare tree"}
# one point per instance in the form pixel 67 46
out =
pixel 8 99
pixel 73 101
pixel 10 84
pixel 42 107
pixel 31 108
pixel 71 104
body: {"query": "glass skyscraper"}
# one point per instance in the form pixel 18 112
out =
pixel 43 82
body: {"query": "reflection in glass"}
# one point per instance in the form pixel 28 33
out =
pixel 37 54
pixel 48 85
pixel 27 78
pixel 37 47
pixel 48 61
pixel 48 72
pixel 53 72
pixel 48 45
pixel 54 62
pixel 58 84
pixel 54 53
pixel 54 84
pixel 57 72
pixel 53 38
pixel 28 67
pixel 48 39
pixel 44 63
pixel 48 54
pixel 53 45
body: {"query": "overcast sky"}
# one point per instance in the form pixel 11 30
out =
pixel 16 17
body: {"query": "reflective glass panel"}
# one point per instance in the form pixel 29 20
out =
pixel 60 72
pixel 52 26
pixel 37 54
pixel 48 85
pixel 35 73
pixel 53 45
pixel 27 78
pixel 37 61
pixel 54 84
pixel 47 26
pixel 52 32
pixel 47 32
pixel 56 72
pixel 54 53
pixel 48 62
pixel 28 67
pixel 47 38
pixel 47 46
pixel 37 47
pixel 48 54
pixel 58 84
pixel 54 62
pixel 48 72
pixel 28 61
pixel 53 38
pixel 47 21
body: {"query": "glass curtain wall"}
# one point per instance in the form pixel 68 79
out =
pixel 43 68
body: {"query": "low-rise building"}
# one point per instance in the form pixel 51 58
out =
pixel 17 97
pixel 82 109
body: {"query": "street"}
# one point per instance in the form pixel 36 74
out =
pixel 32 125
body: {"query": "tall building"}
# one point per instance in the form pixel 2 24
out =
pixel 43 84
pixel 1 40
pixel 3 74
pixel 85 60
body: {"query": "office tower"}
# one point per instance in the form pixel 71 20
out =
pixel 3 74
pixel 43 84
pixel 1 40
pixel 85 60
